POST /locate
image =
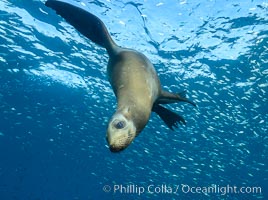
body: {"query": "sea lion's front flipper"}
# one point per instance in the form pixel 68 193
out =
pixel 86 23
pixel 167 98
pixel 170 118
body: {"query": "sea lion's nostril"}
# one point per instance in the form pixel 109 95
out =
pixel 115 149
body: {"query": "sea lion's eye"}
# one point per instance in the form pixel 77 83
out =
pixel 119 125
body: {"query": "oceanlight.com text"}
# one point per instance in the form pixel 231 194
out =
pixel 222 190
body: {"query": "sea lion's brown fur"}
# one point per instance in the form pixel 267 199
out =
pixel 133 79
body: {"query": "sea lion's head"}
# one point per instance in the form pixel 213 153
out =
pixel 121 132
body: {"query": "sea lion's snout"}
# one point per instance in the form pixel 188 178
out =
pixel 115 149
pixel 121 132
pixel 118 140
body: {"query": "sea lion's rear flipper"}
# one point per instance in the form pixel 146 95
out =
pixel 170 118
pixel 86 23
pixel 167 98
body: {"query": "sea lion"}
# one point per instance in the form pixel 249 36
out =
pixel 132 76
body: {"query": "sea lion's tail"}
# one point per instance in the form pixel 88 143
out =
pixel 86 23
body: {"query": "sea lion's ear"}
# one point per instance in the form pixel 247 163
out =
pixel 125 110
pixel 128 109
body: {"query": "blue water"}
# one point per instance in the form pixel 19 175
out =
pixel 55 101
